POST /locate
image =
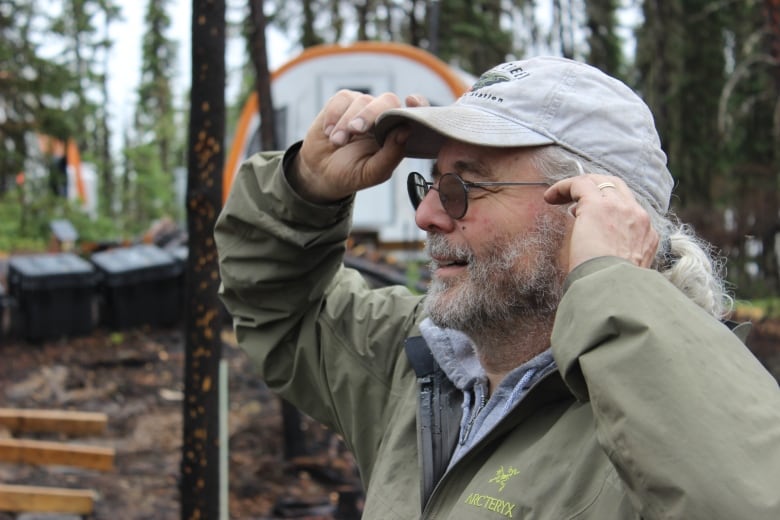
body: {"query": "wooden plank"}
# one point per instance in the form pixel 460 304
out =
pixel 34 499
pixel 61 421
pixel 24 451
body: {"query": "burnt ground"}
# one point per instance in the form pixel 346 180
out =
pixel 136 379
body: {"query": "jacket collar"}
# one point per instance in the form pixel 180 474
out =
pixel 455 353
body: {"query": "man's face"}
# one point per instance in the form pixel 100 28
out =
pixel 505 258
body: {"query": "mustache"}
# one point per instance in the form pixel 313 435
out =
pixel 437 246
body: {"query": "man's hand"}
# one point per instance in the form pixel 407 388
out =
pixel 608 221
pixel 339 155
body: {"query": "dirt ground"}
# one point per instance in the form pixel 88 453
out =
pixel 136 379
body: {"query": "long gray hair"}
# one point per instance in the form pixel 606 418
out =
pixel 686 260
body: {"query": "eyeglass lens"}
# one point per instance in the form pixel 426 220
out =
pixel 417 187
pixel 453 196
pixel 452 193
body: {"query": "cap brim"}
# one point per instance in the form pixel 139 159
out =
pixel 431 126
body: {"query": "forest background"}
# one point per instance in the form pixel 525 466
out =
pixel 710 71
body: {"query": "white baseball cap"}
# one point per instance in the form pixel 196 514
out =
pixel 548 100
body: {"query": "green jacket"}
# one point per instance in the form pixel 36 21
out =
pixel 656 410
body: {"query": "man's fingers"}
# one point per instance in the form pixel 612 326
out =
pixel 335 108
pixel 340 155
pixel 608 220
pixel 359 117
pixel 417 100
pixel 349 113
pixel 572 189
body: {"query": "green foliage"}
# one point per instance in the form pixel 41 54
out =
pixel 665 57
pixel 51 63
pixel 17 234
pixel 154 114
pixel 77 30
pixel 150 196
pixel 25 218
pixel 605 45
pixel 155 146
pixel 31 87
pixel 760 308
pixel 474 38
pixel 116 338
pixel 705 70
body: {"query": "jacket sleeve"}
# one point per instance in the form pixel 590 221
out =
pixel 320 337
pixel 687 415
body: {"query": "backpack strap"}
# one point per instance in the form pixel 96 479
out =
pixel 420 356
pixel 438 416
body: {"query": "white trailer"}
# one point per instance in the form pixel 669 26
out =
pixel 301 87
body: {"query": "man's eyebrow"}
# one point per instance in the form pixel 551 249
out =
pixel 435 173
pixel 472 168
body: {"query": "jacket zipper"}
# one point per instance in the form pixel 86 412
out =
pixel 475 412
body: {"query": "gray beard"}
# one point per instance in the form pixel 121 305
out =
pixel 504 291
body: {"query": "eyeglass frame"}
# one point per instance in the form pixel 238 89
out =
pixel 417 180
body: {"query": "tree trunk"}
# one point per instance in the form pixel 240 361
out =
pixel 291 417
pixel 200 477
pixel 105 205
pixel 772 14
pixel 259 48
pixel 309 37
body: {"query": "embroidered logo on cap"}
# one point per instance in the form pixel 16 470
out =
pixel 501 74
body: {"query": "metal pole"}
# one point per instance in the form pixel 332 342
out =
pixel 224 449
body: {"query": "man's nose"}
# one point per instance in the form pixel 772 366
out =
pixel 431 216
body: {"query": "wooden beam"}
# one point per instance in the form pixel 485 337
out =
pixel 33 499
pixel 59 421
pixel 23 451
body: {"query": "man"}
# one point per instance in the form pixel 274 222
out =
pixel 572 363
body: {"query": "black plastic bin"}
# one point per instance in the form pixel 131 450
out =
pixel 181 253
pixel 54 295
pixel 140 286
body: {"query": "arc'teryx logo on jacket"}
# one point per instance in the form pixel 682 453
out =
pixel 497 505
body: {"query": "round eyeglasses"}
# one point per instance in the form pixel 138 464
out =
pixel 453 191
